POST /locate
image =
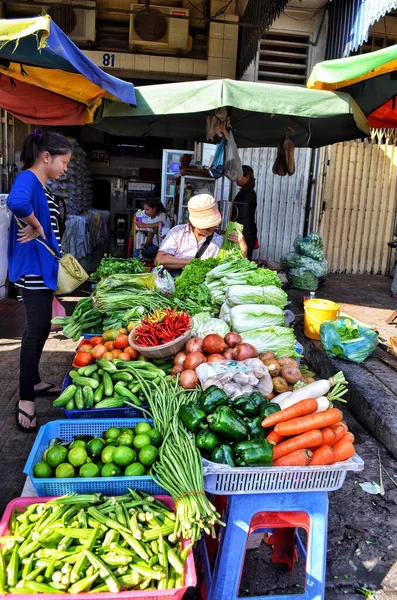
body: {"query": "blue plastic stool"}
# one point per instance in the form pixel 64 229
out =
pixel 250 512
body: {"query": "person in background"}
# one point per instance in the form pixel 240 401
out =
pixel 31 266
pixel 156 226
pixel 197 238
pixel 244 208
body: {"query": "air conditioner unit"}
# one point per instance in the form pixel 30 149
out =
pixel 77 23
pixel 156 29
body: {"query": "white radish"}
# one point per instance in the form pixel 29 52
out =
pixel 322 403
pixel 312 390
pixel 281 397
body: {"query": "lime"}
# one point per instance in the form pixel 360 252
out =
pixel 125 439
pixel 89 470
pixel 42 470
pixel 134 470
pixel 107 453
pixel 95 447
pixel 112 434
pixel 99 464
pixel 141 440
pixel 156 439
pixel 77 444
pixel 124 456
pixel 45 455
pixel 148 455
pixel 64 470
pixel 127 430
pixel 143 427
pixel 56 455
pixel 110 470
pixel 77 456
pixel 89 460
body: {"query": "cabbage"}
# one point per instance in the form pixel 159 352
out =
pixel 246 316
pixel 198 320
pixel 225 313
pixel 280 340
pixel 253 294
pixel 213 326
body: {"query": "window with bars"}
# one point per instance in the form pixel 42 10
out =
pixel 283 58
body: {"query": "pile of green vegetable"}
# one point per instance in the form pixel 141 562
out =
pixel 111 266
pixel 306 268
pixel 235 435
pixel 85 318
pixel 121 292
pixel 90 543
pixel 190 287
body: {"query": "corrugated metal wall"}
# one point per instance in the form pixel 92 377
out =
pixel 281 200
pixel 355 207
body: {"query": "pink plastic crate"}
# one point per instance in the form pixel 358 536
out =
pixel 176 593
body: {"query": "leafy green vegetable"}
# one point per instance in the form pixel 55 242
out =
pixel 110 265
pixel 280 340
pixel 263 277
pixel 261 315
pixel 250 294
pixel 230 249
pixel 311 246
pixel 302 279
pixel 232 267
pixel 213 326
pixel 190 284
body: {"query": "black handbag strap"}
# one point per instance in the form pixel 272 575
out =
pixel 204 247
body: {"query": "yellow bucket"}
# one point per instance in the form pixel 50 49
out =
pixel 316 312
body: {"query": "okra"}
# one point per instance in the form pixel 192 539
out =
pixel 83 585
pixel 13 567
pixel 104 572
pixel 42 588
pixel 115 560
pixel 82 560
pixel 149 573
pixel 33 574
pixel 3 573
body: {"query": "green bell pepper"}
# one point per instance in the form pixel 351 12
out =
pixel 211 398
pixel 206 441
pixel 258 399
pixel 228 424
pixel 268 409
pixel 192 416
pixel 244 406
pixel 255 428
pixel 254 452
pixel 223 455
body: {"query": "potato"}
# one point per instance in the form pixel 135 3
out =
pixel 291 374
pixel 270 396
pixel 285 360
pixel 280 385
pixel 272 366
pixel 308 380
pixel 266 355
pixel 290 387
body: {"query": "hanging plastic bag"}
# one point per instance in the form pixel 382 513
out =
pixel 57 311
pixel 164 281
pixel 233 166
pixel 347 339
pixel 218 164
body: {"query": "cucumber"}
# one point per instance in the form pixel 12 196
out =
pixel 107 384
pixel 88 394
pixel 66 395
pixel 82 381
pixel 96 377
pixel 74 374
pixel 127 394
pixel 79 398
pixel 122 376
pixel 106 365
pixel 88 371
pixel 70 405
pixel 98 394
pixel 110 403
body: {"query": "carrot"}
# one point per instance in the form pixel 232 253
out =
pixel 323 456
pixel 329 417
pixel 299 458
pixel 343 450
pixel 275 438
pixel 304 407
pixel 339 430
pixel 349 437
pixel 328 436
pixel 299 442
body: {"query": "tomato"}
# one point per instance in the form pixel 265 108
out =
pixel 109 346
pixel 123 331
pixel 134 354
pixel 125 356
pixel 85 348
pixel 130 327
pixel 96 340
pixel 121 341
pixel 116 353
pixel 82 359
pixel 108 356
pixel 110 335
pixel 98 351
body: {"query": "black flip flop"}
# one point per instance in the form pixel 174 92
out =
pixel 19 411
pixel 50 390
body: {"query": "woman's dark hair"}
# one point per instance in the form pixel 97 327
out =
pixel 154 203
pixel 37 142
pixel 249 172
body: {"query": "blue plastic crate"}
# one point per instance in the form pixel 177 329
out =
pixel 125 412
pixel 67 430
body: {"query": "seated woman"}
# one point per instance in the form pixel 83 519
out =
pixel 155 226
pixel 196 239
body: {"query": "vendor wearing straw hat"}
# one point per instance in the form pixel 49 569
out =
pixel 196 239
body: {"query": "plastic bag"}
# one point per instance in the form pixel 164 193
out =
pixel 303 279
pixel 164 281
pixel 293 260
pixel 311 246
pixel 57 311
pixel 218 164
pixel 236 378
pixel 233 167
pixel 347 339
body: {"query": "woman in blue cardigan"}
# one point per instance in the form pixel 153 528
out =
pixel 31 266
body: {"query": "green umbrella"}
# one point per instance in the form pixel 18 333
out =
pixel 260 114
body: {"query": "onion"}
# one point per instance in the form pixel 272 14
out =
pixel 228 354
pixel 213 344
pixel 188 379
pixel 179 358
pixel 215 358
pixel 194 345
pixel 232 339
pixel 177 370
pixel 244 351
pixel 193 360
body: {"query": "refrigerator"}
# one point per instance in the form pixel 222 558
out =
pixel 186 187
pixel 169 174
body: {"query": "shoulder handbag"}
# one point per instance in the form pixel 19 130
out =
pixel 70 273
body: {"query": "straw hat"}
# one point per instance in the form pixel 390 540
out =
pixel 203 212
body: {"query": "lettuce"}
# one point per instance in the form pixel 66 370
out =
pixel 213 326
pixel 252 294
pixel 280 340
pixel 198 320
pixel 245 316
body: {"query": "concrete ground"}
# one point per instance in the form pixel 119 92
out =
pixel 362 531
